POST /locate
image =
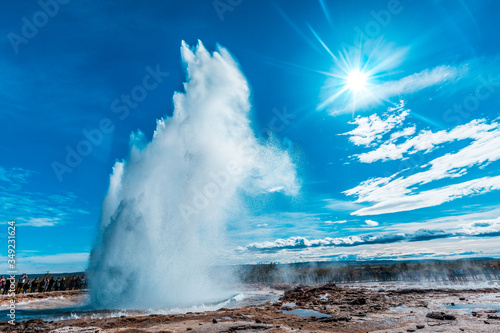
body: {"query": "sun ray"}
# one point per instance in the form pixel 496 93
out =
pixel 356 80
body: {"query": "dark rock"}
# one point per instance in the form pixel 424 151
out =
pixel 420 327
pixel 214 321
pixel 359 301
pixel 440 316
pixel 336 318
pixel 462 298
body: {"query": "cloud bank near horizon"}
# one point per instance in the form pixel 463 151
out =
pixel 480 228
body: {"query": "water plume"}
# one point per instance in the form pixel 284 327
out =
pixel 167 206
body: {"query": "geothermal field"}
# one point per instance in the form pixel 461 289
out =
pixel 250 166
pixel 428 297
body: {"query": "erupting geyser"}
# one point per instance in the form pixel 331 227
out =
pixel 164 215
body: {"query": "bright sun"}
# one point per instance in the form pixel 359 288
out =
pixel 356 81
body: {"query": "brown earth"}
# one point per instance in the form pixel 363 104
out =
pixel 348 309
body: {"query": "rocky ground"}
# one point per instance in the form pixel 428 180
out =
pixel 326 308
pixel 39 296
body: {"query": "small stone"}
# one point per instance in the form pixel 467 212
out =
pixel 214 321
pixel 486 322
pixel 410 330
pixel 419 327
pixel 189 329
pixel 462 298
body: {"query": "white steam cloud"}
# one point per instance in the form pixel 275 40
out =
pixel 163 218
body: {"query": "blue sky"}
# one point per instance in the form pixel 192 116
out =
pixel 400 161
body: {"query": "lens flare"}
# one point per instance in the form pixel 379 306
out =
pixel 356 81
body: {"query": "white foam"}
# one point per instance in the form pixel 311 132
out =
pixel 163 220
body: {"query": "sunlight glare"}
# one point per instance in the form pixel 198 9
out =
pixel 356 81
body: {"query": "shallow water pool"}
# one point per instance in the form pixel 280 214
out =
pixel 306 313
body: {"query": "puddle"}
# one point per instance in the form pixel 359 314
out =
pixel 395 308
pixel 306 313
pixel 464 306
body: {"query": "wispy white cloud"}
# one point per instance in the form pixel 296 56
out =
pixel 14 178
pixel 371 223
pixel 427 141
pixel 449 222
pixel 432 197
pixel 377 92
pixel 379 61
pixel 342 205
pixel 416 82
pixel 29 262
pixel 38 221
pixel 402 192
pixel 482 227
pixel 57 263
pixel 30 208
pixel 371 129
pixel 336 222
pixel 60 258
